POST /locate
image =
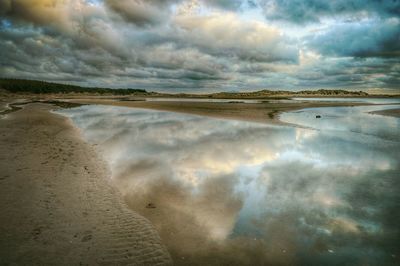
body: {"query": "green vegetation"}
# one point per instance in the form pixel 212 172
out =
pixel 41 87
pixel 38 87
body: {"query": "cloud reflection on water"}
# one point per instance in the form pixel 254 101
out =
pixel 231 192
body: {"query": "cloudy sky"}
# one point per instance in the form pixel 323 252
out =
pixel 203 45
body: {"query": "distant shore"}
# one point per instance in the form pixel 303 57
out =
pixel 42 88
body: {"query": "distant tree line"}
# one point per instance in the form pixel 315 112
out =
pixel 282 93
pixel 42 87
pixel 334 92
pixel 35 86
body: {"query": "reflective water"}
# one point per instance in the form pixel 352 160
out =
pixel 226 192
pixel 354 119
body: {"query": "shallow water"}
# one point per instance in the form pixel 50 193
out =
pixel 344 119
pixel 225 192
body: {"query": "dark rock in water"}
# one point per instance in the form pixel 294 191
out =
pixel 318 116
pixel 150 206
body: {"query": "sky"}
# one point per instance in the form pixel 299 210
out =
pixel 203 45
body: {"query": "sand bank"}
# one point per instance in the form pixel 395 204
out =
pixel 267 112
pixel 58 204
pixel 389 112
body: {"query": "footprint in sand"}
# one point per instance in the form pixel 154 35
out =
pixel 87 237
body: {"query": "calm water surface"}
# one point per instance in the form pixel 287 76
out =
pixel 235 193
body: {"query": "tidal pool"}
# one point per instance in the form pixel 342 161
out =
pixel 224 192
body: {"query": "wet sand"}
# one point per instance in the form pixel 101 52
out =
pixel 58 204
pixel 389 112
pixel 3 106
pixel 262 112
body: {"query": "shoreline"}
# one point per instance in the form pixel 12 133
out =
pixel 59 205
pixel 395 112
pixel 267 113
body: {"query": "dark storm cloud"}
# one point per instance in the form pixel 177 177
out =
pixel 55 57
pixel 144 13
pixel 375 38
pixel 141 12
pixel 300 11
pixel 347 72
pixel 37 11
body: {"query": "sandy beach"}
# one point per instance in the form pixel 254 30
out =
pixel 58 204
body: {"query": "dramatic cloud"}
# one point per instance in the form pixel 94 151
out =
pixel 202 45
pixel 312 10
pixel 141 12
pixel 360 39
pixel 59 14
pixel 228 35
